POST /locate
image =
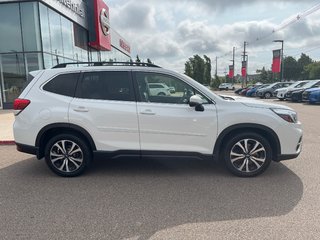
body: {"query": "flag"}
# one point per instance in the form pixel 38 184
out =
pixel 244 69
pixel 276 63
pixel 231 71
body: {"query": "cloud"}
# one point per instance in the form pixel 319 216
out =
pixel 169 32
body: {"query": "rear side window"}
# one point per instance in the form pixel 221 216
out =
pixel 64 84
pixel 111 85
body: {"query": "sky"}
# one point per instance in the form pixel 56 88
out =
pixel 169 32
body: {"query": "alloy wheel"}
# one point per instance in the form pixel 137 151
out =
pixel 66 156
pixel 248 155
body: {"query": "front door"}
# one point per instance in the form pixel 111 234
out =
pixel 168 123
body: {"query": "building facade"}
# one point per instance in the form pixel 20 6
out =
pixel 43 33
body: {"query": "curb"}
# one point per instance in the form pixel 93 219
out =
pixel 7 142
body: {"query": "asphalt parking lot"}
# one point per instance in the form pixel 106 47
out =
pixel 164 198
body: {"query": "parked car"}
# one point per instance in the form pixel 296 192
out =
pixel 268 92
pixel 281 92
pixel 308 92
pixel 244 91
pixel 238 90
pixel 71 115
pixel 314 96
pixel 226 86
pixel 252 92
pixel 295 95
pixel 159 89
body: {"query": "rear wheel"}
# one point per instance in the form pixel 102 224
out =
pixel 67 155
pixel 267 95
pixel 247 154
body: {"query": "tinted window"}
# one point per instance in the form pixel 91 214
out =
pixel 152 89
pixel 111 85
pixel 64 84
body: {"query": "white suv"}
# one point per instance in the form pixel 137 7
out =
pixel 71 115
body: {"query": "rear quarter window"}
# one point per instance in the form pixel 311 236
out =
pixel 63 84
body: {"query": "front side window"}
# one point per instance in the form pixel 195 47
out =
pixel 161 88
pixel 64 84
pixel 112 85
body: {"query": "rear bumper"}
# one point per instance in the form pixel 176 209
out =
pixel 27 149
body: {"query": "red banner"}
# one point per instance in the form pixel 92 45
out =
pixel 244 69
pixel 231 71
pixel 276 63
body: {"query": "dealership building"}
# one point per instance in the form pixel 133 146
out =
pixel 40 34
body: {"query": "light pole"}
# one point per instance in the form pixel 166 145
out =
pixel 281 66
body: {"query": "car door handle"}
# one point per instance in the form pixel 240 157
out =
pixel 81 109
pixel 147 112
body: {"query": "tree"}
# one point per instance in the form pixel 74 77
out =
pixel 199 69
pixel 207 70
pixel 149 61
pixel 303 62
pixel 313 70
pixel 291 70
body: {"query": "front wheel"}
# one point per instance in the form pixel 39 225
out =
pixel 247 154
pixel 67 155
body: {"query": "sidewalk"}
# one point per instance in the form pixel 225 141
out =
pixel 6 127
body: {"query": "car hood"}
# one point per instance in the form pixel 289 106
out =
pixel 254 103
pixel 312 89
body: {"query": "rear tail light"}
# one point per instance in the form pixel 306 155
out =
pixel 20 104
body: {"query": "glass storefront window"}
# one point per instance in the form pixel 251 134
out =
pixel 45 32
pixel 13 76
pixel 67 37
pixel 33 61
pixel 30 26
pixel 10 37
pixel 55 32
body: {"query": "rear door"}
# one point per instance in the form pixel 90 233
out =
pixel 105 106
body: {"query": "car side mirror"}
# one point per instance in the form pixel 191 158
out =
pixel 196 102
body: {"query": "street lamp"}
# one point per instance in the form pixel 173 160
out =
pixel 281 66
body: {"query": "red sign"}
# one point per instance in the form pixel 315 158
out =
pixel 100 39
pixel 276 63
pixel 244 69
pixel 231 71
pixel 124 46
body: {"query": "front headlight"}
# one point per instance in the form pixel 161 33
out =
pixel 285 114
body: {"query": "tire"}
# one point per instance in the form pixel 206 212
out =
pixel 267 95
pixel 247 161
pixel 281 99
pixel 61 160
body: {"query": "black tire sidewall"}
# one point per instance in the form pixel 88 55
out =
pixel 237 138
pixel 82 144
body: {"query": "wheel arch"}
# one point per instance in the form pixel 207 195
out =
pixel 264 131
pixel 57 128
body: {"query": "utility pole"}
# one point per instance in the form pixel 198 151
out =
pixel 216 73
pixel 233 52
pixel 245 59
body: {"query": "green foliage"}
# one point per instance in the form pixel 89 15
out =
pixel 313 70
pixel 291 69
pixel 216 82
pixel 199 69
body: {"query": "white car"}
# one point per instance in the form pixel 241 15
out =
pixel 71 115
pixel 159 89
pixel 226 86
pixel 281 92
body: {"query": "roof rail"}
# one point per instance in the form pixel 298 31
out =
pixel 138 64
